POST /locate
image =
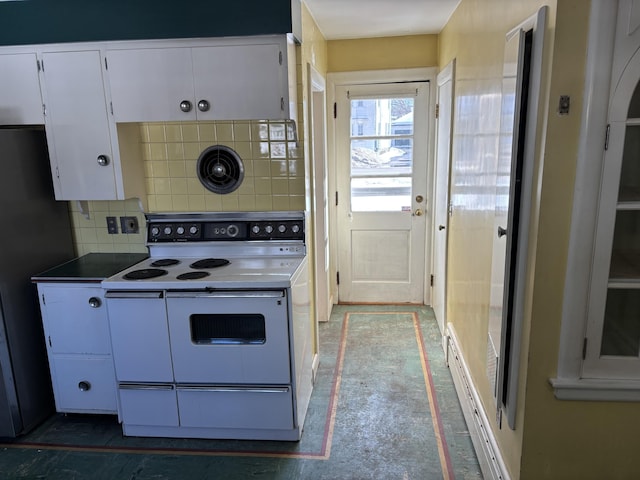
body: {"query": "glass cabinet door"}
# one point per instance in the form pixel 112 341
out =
pixel 612 348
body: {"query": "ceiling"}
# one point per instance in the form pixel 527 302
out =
pixel 342 19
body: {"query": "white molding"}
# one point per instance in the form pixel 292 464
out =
pixel 602 25
pixel 484 442
pixel 596 389
pixel 375 76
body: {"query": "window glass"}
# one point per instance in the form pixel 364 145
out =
pixel 381 154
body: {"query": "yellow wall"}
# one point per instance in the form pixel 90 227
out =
pixel 382 53
pixel 553 439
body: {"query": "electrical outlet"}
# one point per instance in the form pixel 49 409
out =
pixel 129 225
pixel 112 225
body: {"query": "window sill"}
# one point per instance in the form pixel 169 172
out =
pixel 598 390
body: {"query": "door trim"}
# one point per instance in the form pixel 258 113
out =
pixel 335 80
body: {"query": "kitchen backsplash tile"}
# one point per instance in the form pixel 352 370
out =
pixel 274 177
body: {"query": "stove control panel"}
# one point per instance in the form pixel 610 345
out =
pixel 279 230
pixel 225 231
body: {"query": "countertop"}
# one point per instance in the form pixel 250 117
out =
pixel 92 267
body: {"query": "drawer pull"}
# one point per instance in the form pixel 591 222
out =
pixel 84 386
pixel 95 302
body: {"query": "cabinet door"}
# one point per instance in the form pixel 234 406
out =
pixel 75 319
pixel 20 101
pixel 240 82
pixel 78 126
pixel 149 85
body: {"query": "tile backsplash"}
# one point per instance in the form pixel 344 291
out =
pixel 273 166
pixel 274 177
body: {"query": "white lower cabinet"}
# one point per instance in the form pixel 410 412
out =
pixel 78 346
pixel 84 384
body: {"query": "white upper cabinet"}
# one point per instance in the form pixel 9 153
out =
pixel 20 101
pixel 90 158
pixel 77 126
pixel 215 81
pixel 150 84
pixel 240 82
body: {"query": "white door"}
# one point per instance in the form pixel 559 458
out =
pixel 382 139
pixel 441 194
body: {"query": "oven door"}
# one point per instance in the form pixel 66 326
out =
pixel 229 337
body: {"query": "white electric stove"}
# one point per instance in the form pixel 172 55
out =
pixel 212 333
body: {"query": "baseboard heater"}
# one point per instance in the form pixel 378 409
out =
pixel 484 442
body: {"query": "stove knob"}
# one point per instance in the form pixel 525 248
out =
pixel 268 229
pixel 295 228
pixel 167 230
pixel 193 230
pixel 180 230
pixel 155 231
pixel 255 229
pixel 233 230
pixel 282 228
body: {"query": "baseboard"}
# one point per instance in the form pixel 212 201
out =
pixel 484 442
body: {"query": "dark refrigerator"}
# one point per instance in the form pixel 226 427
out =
pixel 35 234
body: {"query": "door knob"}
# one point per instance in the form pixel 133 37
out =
pixel 441 227
pixel 418 212
pixel 501 232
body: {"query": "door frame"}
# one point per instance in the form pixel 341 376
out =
pixel 318 155
pixel 335 80
pixel 447 74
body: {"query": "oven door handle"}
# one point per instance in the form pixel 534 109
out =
pixel 133 294
pixel 226 294
pixel 201 388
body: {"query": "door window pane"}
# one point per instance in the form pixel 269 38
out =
pixel 381 154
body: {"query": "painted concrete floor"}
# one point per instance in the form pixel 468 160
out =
pixel 383 407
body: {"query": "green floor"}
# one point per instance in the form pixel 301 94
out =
pixel 383 407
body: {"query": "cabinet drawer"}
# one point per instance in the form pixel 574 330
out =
pixel 84 384
pixel 148 405
pixel 230 407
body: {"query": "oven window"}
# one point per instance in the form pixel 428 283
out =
pixel 227 329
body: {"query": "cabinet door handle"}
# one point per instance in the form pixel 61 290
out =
pixel 501 232
pixel 95 302
pixel 185 106
pixel 103 160
pixel 203 106
pixel 84 386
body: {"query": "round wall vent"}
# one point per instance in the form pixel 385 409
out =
pixel 220 169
